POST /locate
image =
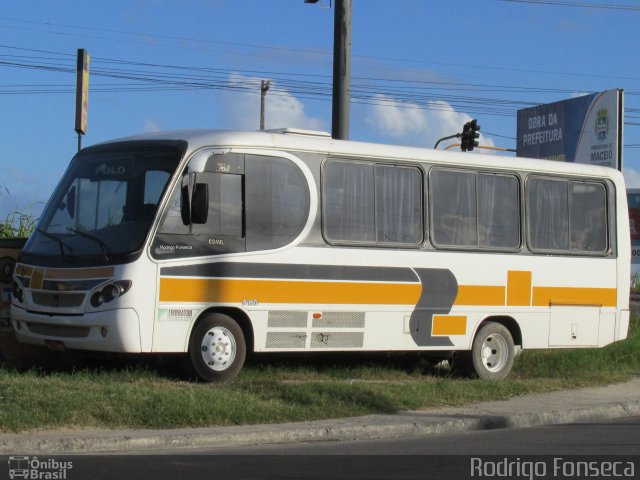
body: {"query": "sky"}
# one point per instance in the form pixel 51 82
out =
pixel 420 70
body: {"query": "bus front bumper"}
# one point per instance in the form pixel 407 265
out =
pixel 108 331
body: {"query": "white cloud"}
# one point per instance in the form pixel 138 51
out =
pixel 150 126
pixel 631 177
pixel 412 124
pixel 282 109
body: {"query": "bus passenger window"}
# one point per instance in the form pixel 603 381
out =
pixel 349 206
pixel 470 209
pixel 498 211
pixel 398 205
pixel 453 202
pixel 548 219
pixel 372 203
pixel 588 217
pixel 277 202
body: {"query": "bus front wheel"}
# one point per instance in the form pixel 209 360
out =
pixel 492 352
pixel 217 348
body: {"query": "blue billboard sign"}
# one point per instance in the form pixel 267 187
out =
pixel 586 129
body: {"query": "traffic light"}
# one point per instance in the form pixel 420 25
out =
pixel 469 135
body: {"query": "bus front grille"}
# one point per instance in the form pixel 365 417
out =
pixel 58 300
pixel 58 330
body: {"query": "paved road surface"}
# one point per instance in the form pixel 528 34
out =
pixel 433 457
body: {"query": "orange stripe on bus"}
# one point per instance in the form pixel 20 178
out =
pixel 36 279
pixel 449 325
pixel 326 292
pixel 481 295
pixel 518 288
pixel 546 296
pixel 268 291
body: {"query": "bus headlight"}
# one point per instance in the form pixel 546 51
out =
pixel 109 293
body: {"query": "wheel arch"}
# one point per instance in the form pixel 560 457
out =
pixel 489 361
pixel 506 321
pixel 240 317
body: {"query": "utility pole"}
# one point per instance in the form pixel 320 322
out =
pixel 341 70
pixel 264 88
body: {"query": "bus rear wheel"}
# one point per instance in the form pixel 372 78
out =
pixel 492 353
pixel 217 348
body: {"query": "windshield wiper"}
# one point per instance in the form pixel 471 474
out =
pixel 103 246
pixel 59 240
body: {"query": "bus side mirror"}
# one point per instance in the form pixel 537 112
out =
pixel 195 210
pixel 185 205
pixel 200 203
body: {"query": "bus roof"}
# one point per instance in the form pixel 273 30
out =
pixel 311 141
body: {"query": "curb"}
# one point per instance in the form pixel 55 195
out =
pixel 372 427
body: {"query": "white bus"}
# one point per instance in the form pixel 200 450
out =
pixel 214 244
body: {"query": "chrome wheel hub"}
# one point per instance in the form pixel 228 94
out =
pixel 495 352
pixel 218 348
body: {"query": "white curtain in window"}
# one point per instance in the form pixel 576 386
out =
pixel 398 204
pixel 350 201
pixel 548 214
pixel 453 196
pixel 498 211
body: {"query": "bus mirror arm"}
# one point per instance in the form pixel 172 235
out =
pixel 185 205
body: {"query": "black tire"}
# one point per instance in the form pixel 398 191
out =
pixel 217 348
pixel 492 353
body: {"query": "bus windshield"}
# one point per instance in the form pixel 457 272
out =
pixel 103 207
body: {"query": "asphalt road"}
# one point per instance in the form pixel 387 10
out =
pixel 434 457
pixel 608 437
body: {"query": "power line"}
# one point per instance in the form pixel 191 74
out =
pixel 307 52
pixel 135 76
pixel 500 136
pixel 603 6
pixel 376 91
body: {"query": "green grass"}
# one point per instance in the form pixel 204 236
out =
pixel 147 396
pixel 635 283
pixel 17 225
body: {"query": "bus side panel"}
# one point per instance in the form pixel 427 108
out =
pixel 556 301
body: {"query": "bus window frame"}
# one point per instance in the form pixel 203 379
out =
pixel 610 216
pixel 384 162
pixel 477 248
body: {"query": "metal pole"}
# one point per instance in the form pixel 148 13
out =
pixel 264 88
pixel 457 135
pixel 79 141
pixel 341 70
